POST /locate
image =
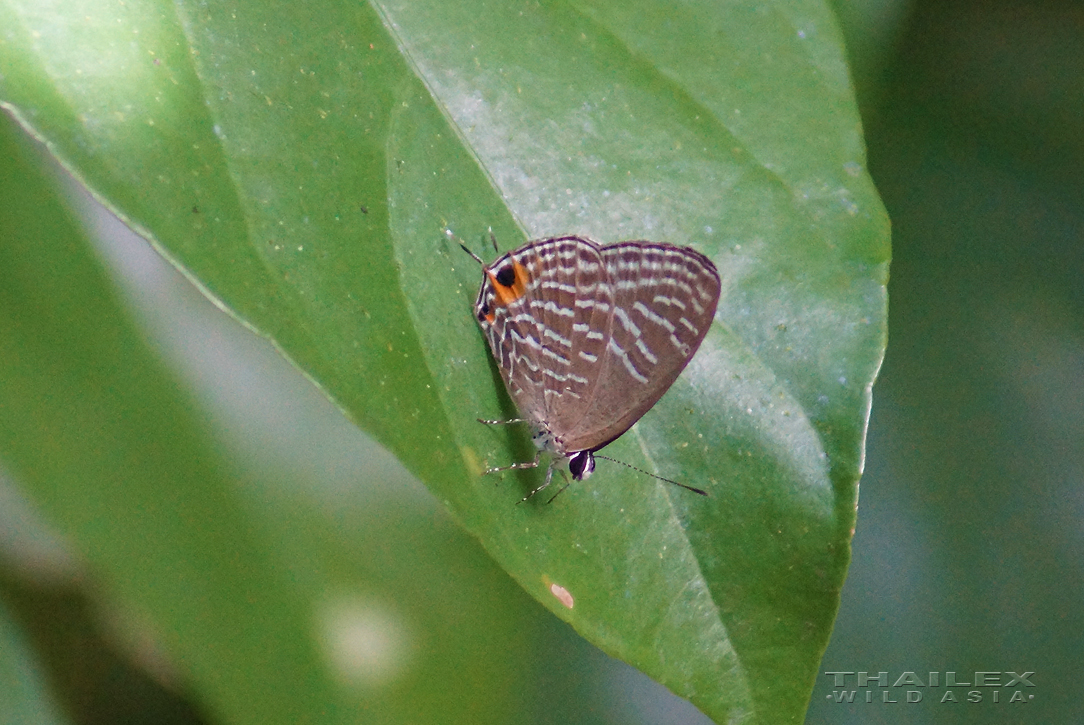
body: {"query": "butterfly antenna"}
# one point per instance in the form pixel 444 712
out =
pixel 452 236
pixel 629 465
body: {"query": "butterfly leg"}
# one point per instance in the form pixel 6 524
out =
pixel 562 489
pixel 549 477
pixel 516 466
pixel 503 422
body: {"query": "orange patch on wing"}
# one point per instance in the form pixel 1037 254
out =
pixel 511 293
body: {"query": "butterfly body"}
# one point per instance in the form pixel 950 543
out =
pixel 588 337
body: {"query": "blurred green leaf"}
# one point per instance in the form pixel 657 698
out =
pixel 335 569
pixel 24 698
pixel 109 447
pixel 300 162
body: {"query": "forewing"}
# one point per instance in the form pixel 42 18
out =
pixel 664 300
pixel 513 335
pixel 573 300
pixel 539 326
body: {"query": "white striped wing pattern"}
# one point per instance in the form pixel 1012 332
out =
pixel 589 337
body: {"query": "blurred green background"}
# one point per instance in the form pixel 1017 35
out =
pixel 968 549
pixel 967 554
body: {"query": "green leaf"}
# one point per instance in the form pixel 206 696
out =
pixel 275 597
pixel 24 699
pixel 301 162
pixel 98 431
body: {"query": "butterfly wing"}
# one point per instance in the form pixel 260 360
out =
pixel 588 338
pixel 532 310
pixel 663 301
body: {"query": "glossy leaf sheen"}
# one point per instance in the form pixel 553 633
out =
pixel 300 162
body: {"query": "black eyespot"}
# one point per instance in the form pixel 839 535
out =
pixel 506 276
pixel 484 312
